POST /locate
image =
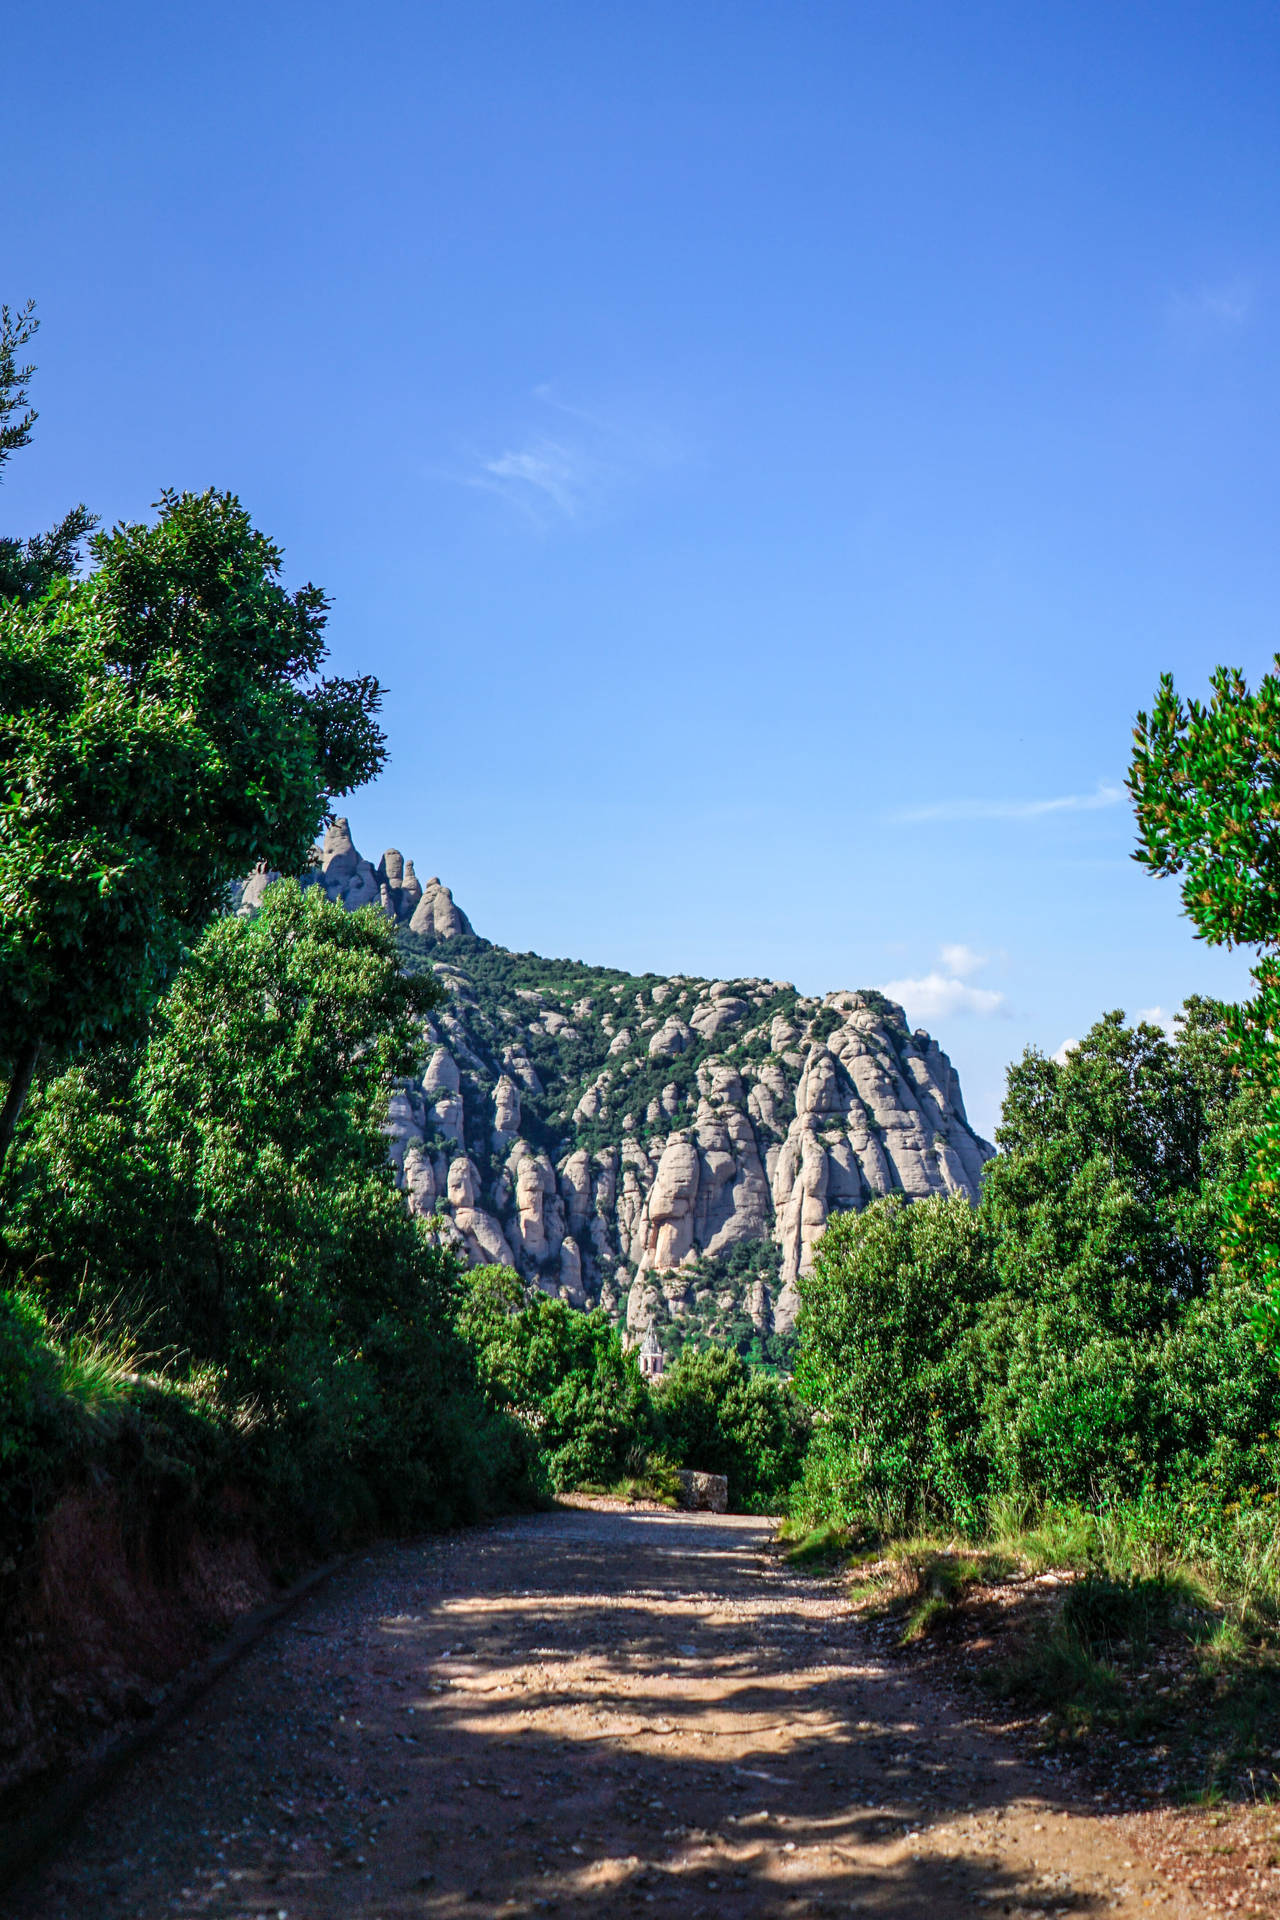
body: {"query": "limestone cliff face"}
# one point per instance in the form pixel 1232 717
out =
pixel 666 1148
pixel 392 884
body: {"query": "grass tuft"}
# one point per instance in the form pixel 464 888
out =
pixel 824 1546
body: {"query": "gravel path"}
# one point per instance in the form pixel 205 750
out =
pixel 591 1712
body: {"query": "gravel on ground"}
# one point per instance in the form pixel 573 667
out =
pixel 591 1712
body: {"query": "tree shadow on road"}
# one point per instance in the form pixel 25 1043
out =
pixel 598 1714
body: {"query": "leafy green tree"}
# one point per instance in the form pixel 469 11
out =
pixel 562 1373
pixel 1074 1336
pixel 163 729
pixel 223 1192
pixel 232 1168
pixel 1108 1170
pixel 1205 780
pixel 29 567
pixel 718 1416
pixel 885 1360
pixel 1104 1214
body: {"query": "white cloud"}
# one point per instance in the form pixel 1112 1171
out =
pixel 962 960
pixel 1221 307
pixel 1105 795
pixel 1157 1017
pixel 1067 1047
pixel 544 475
pixel 936 995
pixel 573 469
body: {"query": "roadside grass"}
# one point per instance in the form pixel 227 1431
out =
pixel 649 1476
pixel 1145 1634
pixel 827 1546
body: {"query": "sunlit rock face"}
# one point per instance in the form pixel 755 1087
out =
pixel 668 1149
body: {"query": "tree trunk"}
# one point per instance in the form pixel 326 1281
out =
pixel 24 1068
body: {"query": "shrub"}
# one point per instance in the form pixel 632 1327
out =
pixel 1074 1337
pixel 224 1193
pixel 887 1360
pixel 718 1416
pixel 563 1374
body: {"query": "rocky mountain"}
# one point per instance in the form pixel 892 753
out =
pixel 669 1148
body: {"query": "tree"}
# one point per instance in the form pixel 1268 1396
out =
pixel 1073 1337
pixel 163 729
pixel 1205 780
pixel 222 1191
pixel 1103 1214
pixel 885 1330
pixel 29 567
pixel 563 1374
pixel 719 1416
pixel 232 1166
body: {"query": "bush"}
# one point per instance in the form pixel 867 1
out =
pixel 224 1194
pixel 1073 1338
pixel 563 1374
pixel 887 1361
pixel 717 1416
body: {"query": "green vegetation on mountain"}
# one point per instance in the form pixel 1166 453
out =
pixel 679 1141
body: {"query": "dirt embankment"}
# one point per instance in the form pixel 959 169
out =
pixel 102 1616
pixel 588 1713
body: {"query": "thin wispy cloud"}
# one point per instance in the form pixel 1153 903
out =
pixel 546 476
pixel 1214 308
pixel 569 461
pixel 1105 795
pixel 1204 317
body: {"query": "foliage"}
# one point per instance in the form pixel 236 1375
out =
pixel 718 1415
pixel 886 1331
pixel 225 1189
pixel 1251 1237
pixel 1205 780
pixel 29 567
pixel 564 1375
pixel 1072 1338
pixel 16 332
pixel 162 730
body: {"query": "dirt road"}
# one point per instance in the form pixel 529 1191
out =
pixel 585 1713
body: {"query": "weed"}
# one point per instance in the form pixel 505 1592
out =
pixel 824 1546
pixel 941 1581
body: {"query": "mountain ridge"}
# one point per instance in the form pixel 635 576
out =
pixel 664 1146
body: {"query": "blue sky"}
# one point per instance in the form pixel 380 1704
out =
pixel 768 451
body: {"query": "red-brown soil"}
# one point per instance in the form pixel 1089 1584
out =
pixel 105 1621
pixel 591 1712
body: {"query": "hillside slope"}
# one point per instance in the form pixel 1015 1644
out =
pixel 667 1147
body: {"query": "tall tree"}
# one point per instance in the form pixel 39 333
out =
pixel 1205 780
pixel 164 727
pixel 29 567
